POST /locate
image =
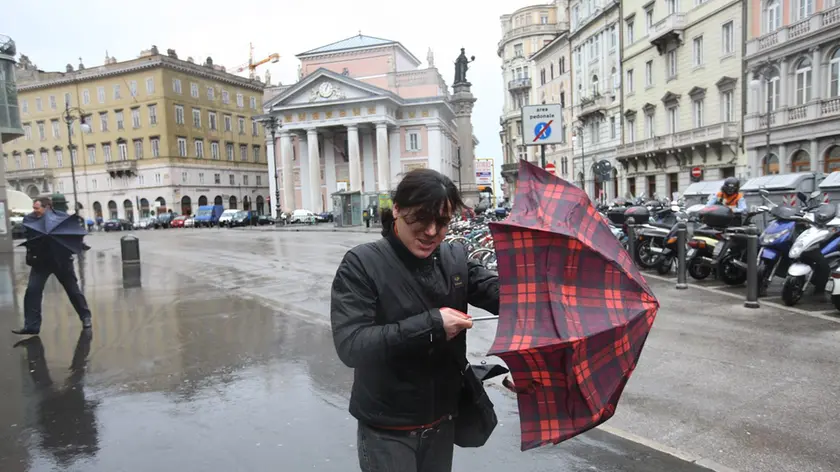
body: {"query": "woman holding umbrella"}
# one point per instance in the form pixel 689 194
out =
pixel 398 318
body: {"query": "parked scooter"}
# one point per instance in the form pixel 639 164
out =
pixel 652 231
pixel 815 251
pixel 777 239
pixel 669 252
pixel 730 256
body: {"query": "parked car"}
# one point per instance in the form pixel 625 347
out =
pixel 325 217
pixel 163 220
pixel 263 220
pixel 117 224
pixel 244 218
pixel 178 222
pixel 208 215
pixel 145 223
pixel 226 217
pixel 189 222
pixel 303 216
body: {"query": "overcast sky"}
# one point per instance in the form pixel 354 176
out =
pixel 56 32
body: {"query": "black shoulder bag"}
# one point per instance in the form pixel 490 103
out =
pixel 476 418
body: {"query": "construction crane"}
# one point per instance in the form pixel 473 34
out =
pixel 252 66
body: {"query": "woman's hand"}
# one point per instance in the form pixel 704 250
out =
pixel 454 322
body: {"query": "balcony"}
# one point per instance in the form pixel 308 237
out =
pixel 816 23
pixel 594 105
pixel 519 84
pixel 794 115
pixel 531 30
pixel 121 168
pixel 666 30
pixel 683 143
pixel 29 174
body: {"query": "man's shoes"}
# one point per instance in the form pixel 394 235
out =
pixel 86 323
pixel 26 332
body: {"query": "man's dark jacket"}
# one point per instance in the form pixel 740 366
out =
pixel 406 372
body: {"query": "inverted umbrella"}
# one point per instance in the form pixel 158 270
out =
pixel 574 310
pixel 63 232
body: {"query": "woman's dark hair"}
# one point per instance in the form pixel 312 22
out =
pixel 428 193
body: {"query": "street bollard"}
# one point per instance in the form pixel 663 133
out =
pixel 681 262
pixel 752 267
pixel 130 255
pixel 631 238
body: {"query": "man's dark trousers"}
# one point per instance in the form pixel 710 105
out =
pixel 66 276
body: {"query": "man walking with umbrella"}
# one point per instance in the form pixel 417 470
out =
pixel 51 240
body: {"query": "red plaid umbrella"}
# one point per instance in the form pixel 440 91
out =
pixel 575 311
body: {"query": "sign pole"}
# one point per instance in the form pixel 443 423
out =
pixel 542 154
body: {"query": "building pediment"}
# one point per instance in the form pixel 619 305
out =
pixel 697 92
pixel 726 83
pixel 648 108
pixel 670 97
pixel 324 86
pixel 630 113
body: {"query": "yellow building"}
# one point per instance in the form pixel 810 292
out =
pixel 165 134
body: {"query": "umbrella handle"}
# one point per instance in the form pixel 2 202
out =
pixel 483 318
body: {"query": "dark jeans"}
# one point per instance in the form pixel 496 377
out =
pixel 35 293
pixel 398 451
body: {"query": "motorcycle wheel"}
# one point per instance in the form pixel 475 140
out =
pixel 763 279
pixel 729 273
pixel 644 257
pixel 793 289
pixel 697 270
pixel 664 267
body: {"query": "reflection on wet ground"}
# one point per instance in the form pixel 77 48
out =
pixel 197 371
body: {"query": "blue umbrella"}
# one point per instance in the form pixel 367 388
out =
pixel 64 232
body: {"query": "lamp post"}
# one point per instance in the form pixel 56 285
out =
pixel 579 137
pixel 69 118
pixel 271 122
pixel 764 74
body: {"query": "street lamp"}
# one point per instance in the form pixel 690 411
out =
pixel 579 137
pixel 69 118
pixel 271 122
pixel 764 74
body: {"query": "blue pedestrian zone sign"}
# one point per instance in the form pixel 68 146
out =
pixel 539 123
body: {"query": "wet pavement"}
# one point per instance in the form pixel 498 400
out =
pixel 223 361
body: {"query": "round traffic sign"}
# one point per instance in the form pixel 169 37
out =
pixel 542 130
pixel 551 169
pixel 696 172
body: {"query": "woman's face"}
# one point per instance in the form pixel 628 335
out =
pixel 421 235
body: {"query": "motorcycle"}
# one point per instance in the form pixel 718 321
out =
pixel 651 232
pixel 669 252
pixel 817 248
pixel 777 239
pixel 730 256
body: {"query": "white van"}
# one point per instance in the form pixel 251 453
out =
pixel 303 216
pixel 226 217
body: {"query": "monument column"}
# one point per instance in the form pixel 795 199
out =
pixel 314 171
pixel 355 163
pixel 288 171
pixel 463 102
pixel 383 158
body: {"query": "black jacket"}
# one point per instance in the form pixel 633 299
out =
pixel 406 372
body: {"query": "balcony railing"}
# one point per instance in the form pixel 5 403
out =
pixel 811 25
pixel 120 168
pixel 706 134
pixel 673 23
pixel 796 114
pixel 539 28
pixel 29 174
pixel 519 84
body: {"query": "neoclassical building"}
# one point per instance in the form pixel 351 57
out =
pixel 363 113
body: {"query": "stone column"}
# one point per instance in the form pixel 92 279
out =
pixel 368 169
pixel 433 147
pixel 329 170
pixel 816 75
pixel 396 164
pixel 785 87
pixel 355 164
pixel 815 156
pixel 272 170
pixel 463 101
pixel 288 203
pixel 784 162
pixel 314 171
pixel 383 158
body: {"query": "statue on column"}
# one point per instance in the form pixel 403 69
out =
pixel 461 66
pixel 430 59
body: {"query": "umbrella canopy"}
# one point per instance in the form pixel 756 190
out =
pixel 574 309
pixel 64 232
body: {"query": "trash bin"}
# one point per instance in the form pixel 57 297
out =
pixel 783 189
pixel 130 254
pixel 698 192
pixel 830 188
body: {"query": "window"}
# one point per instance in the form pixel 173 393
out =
pixel 726 106
pixel 106 151
pixel 673 6
pixel 244 180
pixel 117 92
pixel 671 60
pixel 673 119
pixel 229 151
pixel 68 100
pixel 241 125
pixel 122 148
pixel 196 117
pixel 176 85
pixel 150 85
pixel 412 142
pixel 182 147
pixel 259 180
pixel 613 131
pixel 211 93
pixel 253 103
pixel 240 100
pixel 27 132
pixel 629 81
pixel 225 97
pixel 255 131
pixel 155 147
pixel 772 16
pixel 214 150
pixel 648 20
pixel 631 131
pixel 698 51
pixel 772 90
pixel 158 178
pixel 138 149
pixel 199 148
pixel 648 73
pixel 800 162
pixel 698 113
pixel 52 102
pixel 184 177
pixel 59 158
pixel 650 126
pixel 217 179
pixel 74 156
pixel 45 159
pixel 803 81
pixel 613 39
pixel 194 90
pixel 211 117
pixel 804 9
pixel 228 125
pixel 201 177
pixel 152 115
pixel 141 180
pixel 243 152
pixel 179 114
pixel 616 83
pixel 120 120
pixel 85 97
pixel 103 121
pixel 651 184
pixel 673 183
pixel 100 94
pixel 232 179
pixel 256 154
pixel 595 132
pixel 94 184
pixel 727 38
pixel 135 117
pixel 42 132
pixel 132 88
pixel 543 19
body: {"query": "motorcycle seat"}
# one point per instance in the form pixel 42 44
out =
pixel 661 225
pixel 708 232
